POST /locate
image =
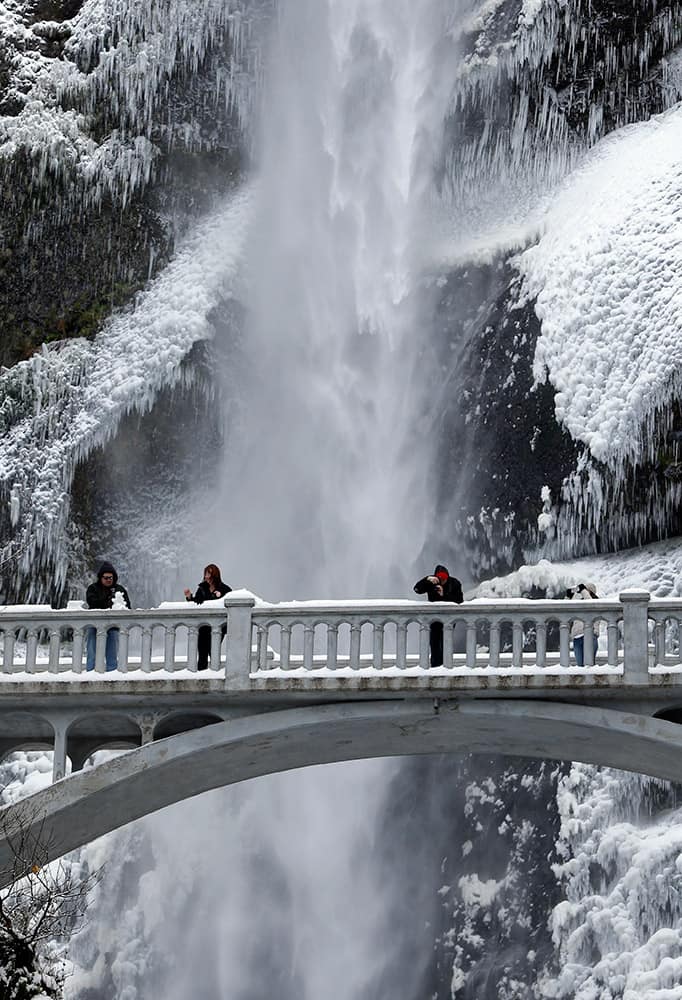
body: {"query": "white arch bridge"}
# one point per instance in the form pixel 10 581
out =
pixel 314 682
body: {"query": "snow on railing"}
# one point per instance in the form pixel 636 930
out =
pixel 37 639
pixel 345 639
pixel 384 635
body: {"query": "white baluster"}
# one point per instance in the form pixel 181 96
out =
pixel 541 643
pixel 471 643
pixel 308 645
pixel 146 649
pixel 285 646
pixel 31 650
pixel 123 646
pixel 517 644
pixel 660 641
pixel 169 647
pixel 100 648
pixel 448 643
pixel 77 649
pixel 401 646
pixel 216 640
pixel 192 637
pixel 262 646
pixel 424 644
pixel 355 643
pixel 332 646
pixel 8 650
pixel 378 644
pixel 495 643
pixel 564 644
pixel 55 648
pixel 612 643
pixel 588 642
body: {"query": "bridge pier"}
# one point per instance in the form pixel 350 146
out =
pixel 59 755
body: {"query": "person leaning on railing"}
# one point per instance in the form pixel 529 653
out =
pixel 103 595
pixel 210 589
pixel 439 587
pixel 582 592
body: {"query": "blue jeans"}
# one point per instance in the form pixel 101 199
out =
pixel 111 650
pixel 579 651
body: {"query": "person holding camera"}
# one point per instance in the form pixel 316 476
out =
pixel 439 587
pixel 582 592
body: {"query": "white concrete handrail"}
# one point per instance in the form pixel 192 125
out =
pixel 396 634
pixel 352 638
pixel 39 639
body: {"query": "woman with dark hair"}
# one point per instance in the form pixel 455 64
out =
pixel 211 588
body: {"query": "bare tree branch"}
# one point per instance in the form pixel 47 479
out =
pixel 44 902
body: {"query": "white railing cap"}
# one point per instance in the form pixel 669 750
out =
pixel 634 594
pixel 243 597
pixel 21 609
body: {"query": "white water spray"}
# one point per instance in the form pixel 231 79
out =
pixel 326 488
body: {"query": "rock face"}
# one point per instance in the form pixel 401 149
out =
pixel 501 441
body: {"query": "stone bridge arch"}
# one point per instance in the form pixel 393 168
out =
pixel 15 726
pixel 78 809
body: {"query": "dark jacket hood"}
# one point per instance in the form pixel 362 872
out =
pixel 441 569
pixel 106 567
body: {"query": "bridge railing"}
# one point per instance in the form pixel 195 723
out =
pixel 637 636
pixel 396 635
pixel 38 639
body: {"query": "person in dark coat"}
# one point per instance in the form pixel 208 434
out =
pixel 210 589
pixel 439 587
pixel 101 596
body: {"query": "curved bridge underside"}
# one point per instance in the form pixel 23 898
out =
pixel 86 805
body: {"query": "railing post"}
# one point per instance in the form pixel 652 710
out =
pixel 238 658
pixel 635 636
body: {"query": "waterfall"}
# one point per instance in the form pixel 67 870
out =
pixel 327 486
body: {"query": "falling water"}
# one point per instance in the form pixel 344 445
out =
pixel 326 486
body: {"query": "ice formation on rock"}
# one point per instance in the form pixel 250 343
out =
pixel 68 399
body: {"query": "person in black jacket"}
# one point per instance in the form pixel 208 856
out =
pixel 439 587
pixel 210 589
pixel 102 595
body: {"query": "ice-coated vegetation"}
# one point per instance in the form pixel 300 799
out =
pixel 66 400
pixel 89 121
pixel 618 929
